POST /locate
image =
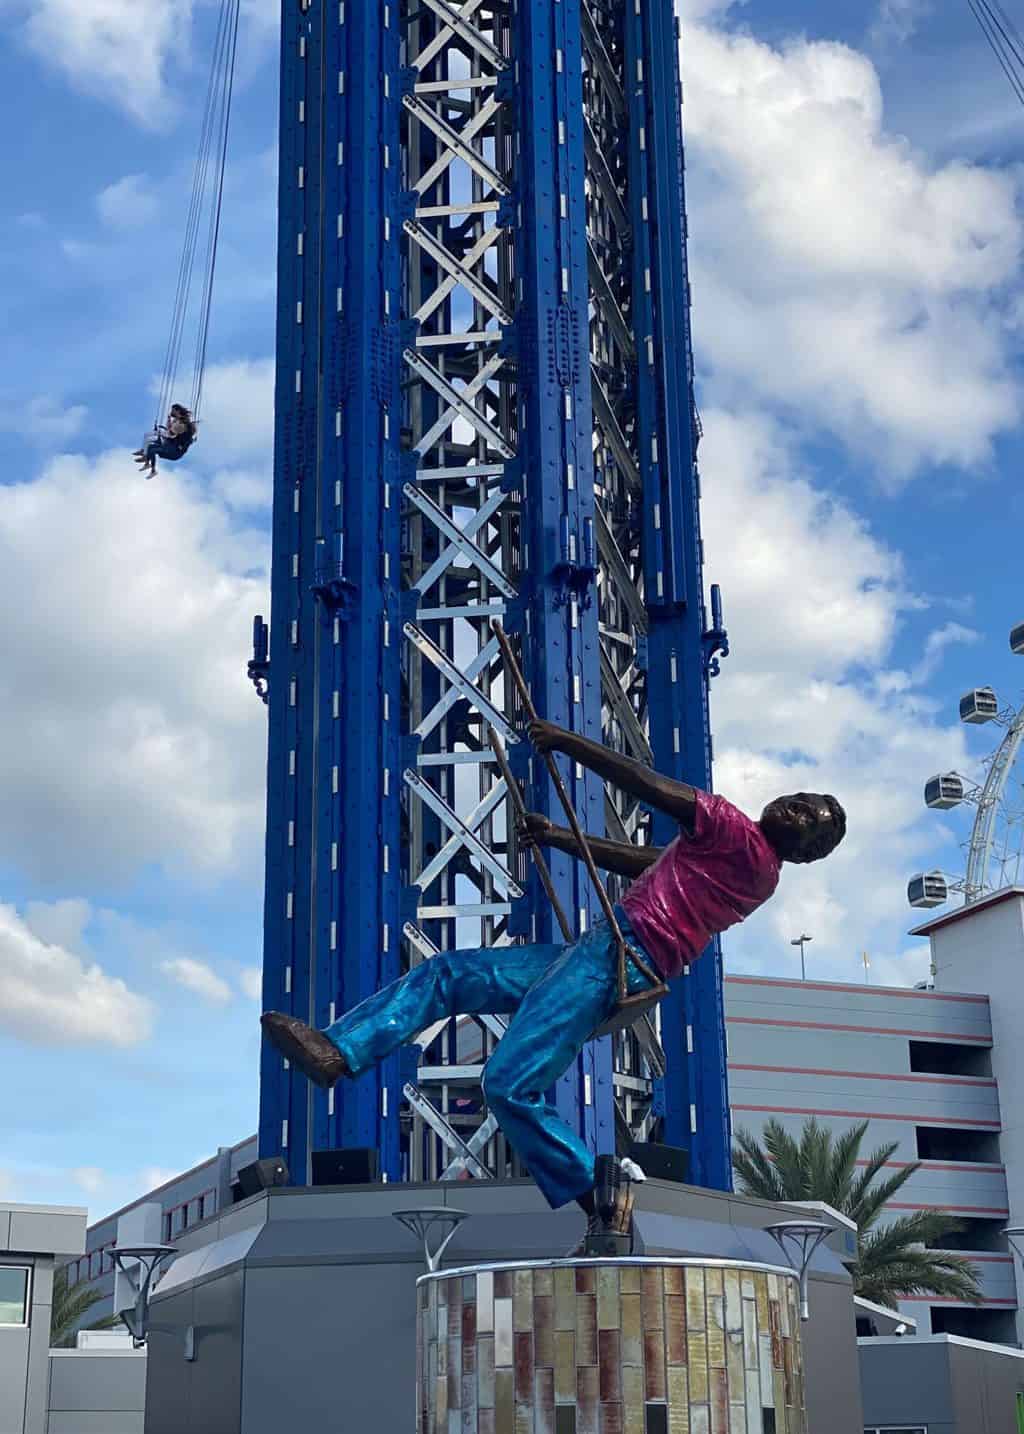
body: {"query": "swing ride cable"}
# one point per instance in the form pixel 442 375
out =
pixel 204 212
pixel 180 308
pixel 215 216
pixel 1004 40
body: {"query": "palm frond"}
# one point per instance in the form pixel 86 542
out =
pixel 757 1175
pixel 69 1306
pixel 893 1260
pixel 873 1201
pixel 842 1165
pixel 786 1155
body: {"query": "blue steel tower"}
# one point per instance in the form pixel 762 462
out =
pixel 484 409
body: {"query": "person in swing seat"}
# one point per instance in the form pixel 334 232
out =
pixel 171 441
pixel 719 869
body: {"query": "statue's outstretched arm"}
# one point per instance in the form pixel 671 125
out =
pixel 619 857
pixel 676 799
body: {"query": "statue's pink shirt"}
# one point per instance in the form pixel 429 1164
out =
pixel 701 885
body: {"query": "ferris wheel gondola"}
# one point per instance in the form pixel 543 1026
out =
pixel 995 849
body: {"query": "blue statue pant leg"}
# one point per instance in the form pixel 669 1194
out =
pixel 561 1011
pixel 482 981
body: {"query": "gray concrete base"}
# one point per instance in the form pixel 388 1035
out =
pixel 97 1391
pixel 303 1302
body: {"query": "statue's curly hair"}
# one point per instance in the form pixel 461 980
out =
pixel 829 839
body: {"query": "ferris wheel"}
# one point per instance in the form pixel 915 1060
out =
pixel 995 850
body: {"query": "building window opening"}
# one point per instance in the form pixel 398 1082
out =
pixel 980 1146
pixel 14 1283
pixel 981 1235
pixel 990 1326
pixel 948 1058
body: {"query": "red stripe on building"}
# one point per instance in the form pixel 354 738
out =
pixel 859 990
pixel 957 1036
pixel 982 1259
pixel 929 1300
pixel 976 1081
pixel 871 1115
pixel 964 1209
pixel 973 1167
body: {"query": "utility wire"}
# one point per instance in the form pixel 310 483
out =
pixel 1004 40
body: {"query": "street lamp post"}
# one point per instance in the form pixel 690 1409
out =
pixel 802 941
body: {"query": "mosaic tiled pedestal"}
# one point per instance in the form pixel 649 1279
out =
pixel 631 1346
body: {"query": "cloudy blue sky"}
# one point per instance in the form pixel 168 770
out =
pixel 855 186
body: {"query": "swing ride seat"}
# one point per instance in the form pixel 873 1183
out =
pixel 627 1015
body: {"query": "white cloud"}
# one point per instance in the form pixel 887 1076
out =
pixel 89 1177
pixel 238 413
pixel 251 982
pixel 117 50
pixel 129 203
pixel 59 923
pixel 837 274
pixel 244 491
pixel 43 420
pixel 895 21
pixel 847 289
pixel 153 1176
pixel 142 598
pixel 813 603
pixel 691 11
pixel 198 977
pixel 50 996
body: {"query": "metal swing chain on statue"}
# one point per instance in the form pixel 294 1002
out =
pixel 644 999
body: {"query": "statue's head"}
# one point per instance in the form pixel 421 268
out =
pixel 804 827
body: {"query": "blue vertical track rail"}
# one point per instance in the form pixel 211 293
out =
pixel 696 1104
pixel 484 409
pixel 333 820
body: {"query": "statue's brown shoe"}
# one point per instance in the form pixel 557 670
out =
pixel 308 1049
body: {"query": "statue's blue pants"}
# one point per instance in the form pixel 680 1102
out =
pixel 557 996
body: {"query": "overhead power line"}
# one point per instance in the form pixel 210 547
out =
pixel 1004 39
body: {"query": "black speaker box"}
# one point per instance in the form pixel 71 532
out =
pixel 661 1162
pixel 346 1167
pixel 261 1175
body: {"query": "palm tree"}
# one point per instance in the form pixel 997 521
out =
pixel 68 1307
pixel 893 1261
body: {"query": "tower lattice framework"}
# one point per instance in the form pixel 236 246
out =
pixel 484 409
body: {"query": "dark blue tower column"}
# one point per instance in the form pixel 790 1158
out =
pixel 680 647
pixel 333 822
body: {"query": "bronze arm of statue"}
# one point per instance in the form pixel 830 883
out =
pixel 677 800
pixel 619 857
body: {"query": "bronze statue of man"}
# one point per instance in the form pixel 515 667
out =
pixel 716 872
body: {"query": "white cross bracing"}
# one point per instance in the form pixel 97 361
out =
pixel 460 550
pixel 462 544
